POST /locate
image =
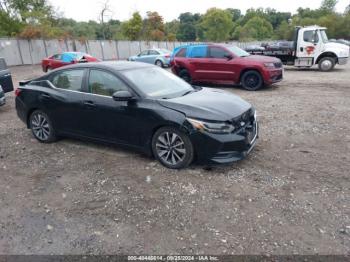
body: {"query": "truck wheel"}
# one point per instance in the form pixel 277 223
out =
pixel 326 64
pixel 252 80
pixel 185 75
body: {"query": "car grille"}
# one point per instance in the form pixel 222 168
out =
pixel 247 118
pixel 278 64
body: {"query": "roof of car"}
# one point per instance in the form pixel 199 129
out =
pixel 114 65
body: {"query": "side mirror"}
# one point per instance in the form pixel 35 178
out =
pixel 229 57
pixel 122 96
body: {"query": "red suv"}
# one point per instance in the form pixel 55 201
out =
pixel 225 64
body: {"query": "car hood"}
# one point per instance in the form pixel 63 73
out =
pixel 208 104
pixel 263 59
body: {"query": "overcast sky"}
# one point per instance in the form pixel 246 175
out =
pixel 84 10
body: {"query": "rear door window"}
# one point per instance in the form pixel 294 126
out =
pixel 69 79
pixel 198 52
pixel 153 52
pixel 217 52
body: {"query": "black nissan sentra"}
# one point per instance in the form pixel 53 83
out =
pixel 141 106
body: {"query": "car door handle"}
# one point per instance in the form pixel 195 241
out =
pixel 89 104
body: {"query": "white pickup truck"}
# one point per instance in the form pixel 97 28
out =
pixel 310 46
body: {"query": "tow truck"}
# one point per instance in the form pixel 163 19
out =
pixel 310 46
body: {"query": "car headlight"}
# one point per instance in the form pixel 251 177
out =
pixel 211 127
pixel 269 65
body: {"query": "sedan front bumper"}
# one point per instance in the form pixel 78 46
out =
pixel 225 148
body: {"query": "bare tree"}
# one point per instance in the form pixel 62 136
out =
pixel 105 10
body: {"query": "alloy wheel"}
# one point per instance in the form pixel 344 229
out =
pixel 40 127
pixel 159 63
pixel 170 148
pixel 252 81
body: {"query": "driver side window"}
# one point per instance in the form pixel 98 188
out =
pixel 143 53
pixel 104 83
pixel 311 36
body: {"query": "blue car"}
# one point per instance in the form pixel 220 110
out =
pixel 159 57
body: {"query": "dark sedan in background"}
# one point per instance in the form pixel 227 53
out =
pixel 2 97
pixel 6 84
pixel 141 106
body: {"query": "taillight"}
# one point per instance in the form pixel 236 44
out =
pixel 18 91
pixel 167 56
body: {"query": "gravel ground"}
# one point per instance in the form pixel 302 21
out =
pixel 290 196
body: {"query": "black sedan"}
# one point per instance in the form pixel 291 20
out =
pixel 141 106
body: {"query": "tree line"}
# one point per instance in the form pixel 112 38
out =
pixel 38 19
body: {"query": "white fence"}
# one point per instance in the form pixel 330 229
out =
pixel 27 52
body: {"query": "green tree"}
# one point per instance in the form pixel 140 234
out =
pixel 217 24
pixel 328 6
pixel 132 28
pixel 153 26
pixel 284 31
pixel 187 30
pixel 171 29
pixel 256 28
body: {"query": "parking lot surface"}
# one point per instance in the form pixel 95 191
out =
pixel 290 196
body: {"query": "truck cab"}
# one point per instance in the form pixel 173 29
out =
pixel 312 47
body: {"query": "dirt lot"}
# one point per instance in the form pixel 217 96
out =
pixel 291 195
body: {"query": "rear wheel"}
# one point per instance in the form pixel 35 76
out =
pixel 326 64
pixel 185 75
pixel 252 80
pixel 172 148
pixel 41 127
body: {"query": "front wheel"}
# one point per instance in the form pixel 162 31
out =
pixel 185 75
pixel 41 127
pixel 159 63
pixel 326 64
pixel 252 80
pixel 172 148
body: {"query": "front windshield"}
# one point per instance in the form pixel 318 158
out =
pixel 238 51
pixel 158 83
pixel 324 36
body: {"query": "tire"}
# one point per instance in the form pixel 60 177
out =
pixel 172 148
pixel 185 75
pixel 326 64
pixel 41 127
pixel 252 80
pixel 159 63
